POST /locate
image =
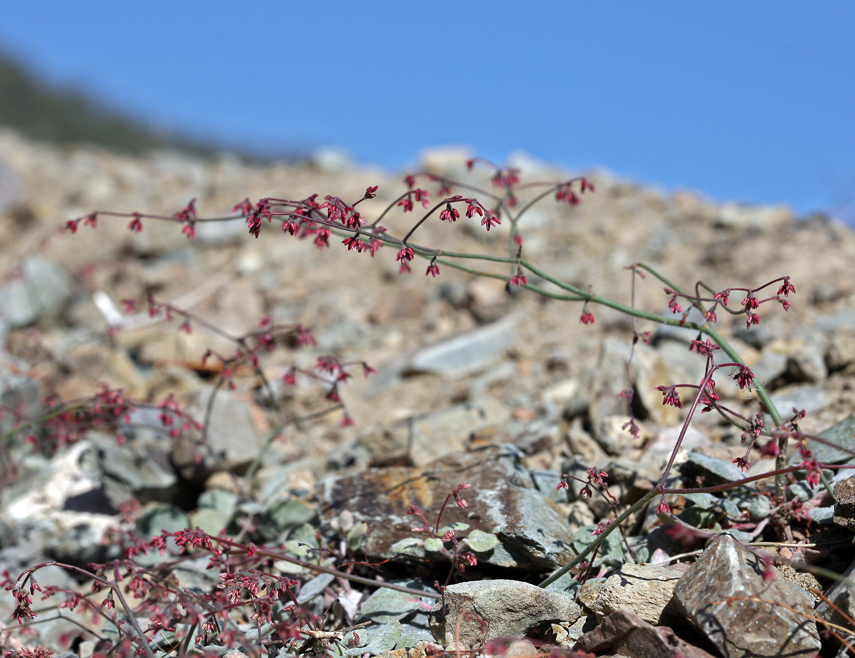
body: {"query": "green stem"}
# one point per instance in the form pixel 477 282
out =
pixel 609 530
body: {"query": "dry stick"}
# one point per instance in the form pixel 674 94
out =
pixel 833 606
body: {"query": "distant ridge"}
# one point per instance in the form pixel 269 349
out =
pixel 65 116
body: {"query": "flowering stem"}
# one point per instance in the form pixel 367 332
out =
pixel 322 569
pixel 114 587
pixel 781 457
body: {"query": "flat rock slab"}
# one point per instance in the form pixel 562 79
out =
pixel 725 596
pixel 626 634
pixel 644 589
pixel 502 500
pixel 467 353
pixel 478 611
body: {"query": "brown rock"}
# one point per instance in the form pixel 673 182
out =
pixel 475 612
pixel 624 633
pixel 501 500
pixel 644 589
pixel 844 503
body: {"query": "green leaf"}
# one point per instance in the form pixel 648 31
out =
pixel 386 605
pixel 381 639
pixel 433 544
pixel 409 546
pixel 481 542
pixel 314 587
pixel 356 536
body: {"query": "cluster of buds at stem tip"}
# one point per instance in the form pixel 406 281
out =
pixel 461 503
pixel 595 477
pixel 670 396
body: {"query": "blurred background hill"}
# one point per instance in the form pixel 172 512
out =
pixel 62 115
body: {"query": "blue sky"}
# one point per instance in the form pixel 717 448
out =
pixel 751 101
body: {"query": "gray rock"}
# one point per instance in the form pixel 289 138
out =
pixel 741 216
pixel 220 233
pixel 822 515
pixel 378 639
pixel 808 397
pixel 139 469
pixel 232 441
pixel 547 483
pixel 445 160
pixel 663 443
pixel 18 392
pixel 841 434
pixel 332 159
pixel 713 593
pixel 289 512
pixel 467 353
pixel 488 609
pixel 13 192
pixel 157 517
pixel 41 290
pixel 841 349
pixel 842 596
pixel 624 633
pixel 387 605
pixel 771 365
pixel 644 589
pixel 801 490
pixel 807 363
pixel 600 388
pixel 717 471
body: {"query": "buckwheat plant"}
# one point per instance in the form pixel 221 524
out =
pixel 332 218
pixel 251 606
pixel 462 549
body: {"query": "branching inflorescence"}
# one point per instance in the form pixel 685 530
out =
pixel 244 581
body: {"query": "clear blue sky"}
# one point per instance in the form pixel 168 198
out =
pixel 750 100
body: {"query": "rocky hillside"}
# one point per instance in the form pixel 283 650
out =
pixel 507 391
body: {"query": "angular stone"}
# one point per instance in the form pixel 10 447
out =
pixel 510 608
pixel 842 434
pixel 644 589
pixel 844 503
pixel 502 500
pixel 716 471
pixel 18 391
pixel 808 397
pixel 842 595
pixel 139 469
pixel 13 191
pixel 737 215
pixel 42 289
pixel 624 633
pixel 721 594
pixel 232 438
pixel 467 353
